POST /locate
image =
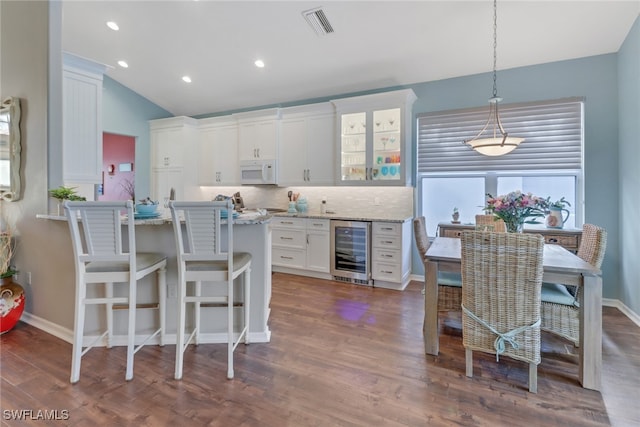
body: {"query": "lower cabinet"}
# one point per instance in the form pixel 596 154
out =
pixel 390 254
pixel 301 246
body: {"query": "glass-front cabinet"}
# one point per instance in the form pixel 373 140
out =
pixel 374 139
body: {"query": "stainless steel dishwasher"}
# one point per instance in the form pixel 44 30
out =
pixel 351 251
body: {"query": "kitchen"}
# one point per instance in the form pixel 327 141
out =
pixel 542 81
pixel 522 84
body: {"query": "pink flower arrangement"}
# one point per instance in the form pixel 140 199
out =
pixel 514 208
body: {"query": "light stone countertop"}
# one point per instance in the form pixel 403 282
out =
pixel 254 217
pixel 248 218
pixel 382 217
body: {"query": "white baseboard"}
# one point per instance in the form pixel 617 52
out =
pixel 54 329
pixel 118 340
pixel 299 272
pixel 635 318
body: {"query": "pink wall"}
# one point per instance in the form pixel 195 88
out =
pixel 116 150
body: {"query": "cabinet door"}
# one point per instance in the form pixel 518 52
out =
pixel 353 148
pixel 207 174
pixel 162 181
pixel 247 137
pixel 318 251
pixel 167 147
pixel 388 156
pixel 258 140
pixel 82 128
pixel 218 156
pixel 226 156
pixel 267 142
pixel 293 143
pixel 321 150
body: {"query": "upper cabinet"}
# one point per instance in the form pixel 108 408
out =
pixel 82 120
pixel 258 134
pixel 173 144
pixel 218 152
pixel 172 141
pixel 307 145
pixel 374 138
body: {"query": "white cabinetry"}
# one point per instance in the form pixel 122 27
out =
pixel 301 246
pixel 307 145
pixel 82 120
pixel 218 152
pixel 374 138
pixel 391 254
pixel 318 245
pixel 258 134
pixel 173 143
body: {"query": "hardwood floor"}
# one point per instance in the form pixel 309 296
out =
pixel 340 355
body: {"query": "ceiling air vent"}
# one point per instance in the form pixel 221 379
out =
pixel 318 21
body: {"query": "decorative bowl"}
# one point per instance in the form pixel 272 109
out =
pixel 148 209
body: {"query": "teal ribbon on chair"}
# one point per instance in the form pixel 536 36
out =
pixel 502 338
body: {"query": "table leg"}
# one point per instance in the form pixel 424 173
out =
pixel 430 325
pixel 591 333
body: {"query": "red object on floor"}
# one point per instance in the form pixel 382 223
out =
pixel 11 304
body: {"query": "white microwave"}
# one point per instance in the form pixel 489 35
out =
pixel 258 171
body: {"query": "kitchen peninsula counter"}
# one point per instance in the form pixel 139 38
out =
pixel 251 233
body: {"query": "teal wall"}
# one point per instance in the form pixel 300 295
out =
pixel 594 78
pixel 629 173
pixel 127 113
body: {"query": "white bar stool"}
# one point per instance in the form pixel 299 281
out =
pixel 201 259
pixel 100 258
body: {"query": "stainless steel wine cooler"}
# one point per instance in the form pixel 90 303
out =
pixel 351 251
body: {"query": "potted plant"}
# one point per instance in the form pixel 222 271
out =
pixel 6 252
pixel 516 208
pixel 63 193
pixel 555 211
pixel 455 216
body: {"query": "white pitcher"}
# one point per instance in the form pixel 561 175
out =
pixel 555 217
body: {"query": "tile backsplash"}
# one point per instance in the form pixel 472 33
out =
pixel 341 200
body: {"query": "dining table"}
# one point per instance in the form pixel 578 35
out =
pixel 559 266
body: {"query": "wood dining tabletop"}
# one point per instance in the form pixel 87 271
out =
pixel 559 266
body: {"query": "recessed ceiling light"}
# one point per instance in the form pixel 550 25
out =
pixel 259 63
pixel 123 64
pixel 186 79
pixel 113 26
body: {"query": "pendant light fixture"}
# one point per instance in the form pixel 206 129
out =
pixel 493 140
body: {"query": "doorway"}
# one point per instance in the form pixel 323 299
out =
pixel 118 171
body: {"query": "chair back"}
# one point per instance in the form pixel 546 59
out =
pixel 490 223
pixel 202 239
pixel 99 240
pixel 593 244
pixel 420 234
pixel 501 281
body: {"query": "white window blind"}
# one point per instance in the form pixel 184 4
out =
pixel 553 132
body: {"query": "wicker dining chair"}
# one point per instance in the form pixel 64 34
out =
pixel 501 280
pixel 560 309
pixel 490 223
pixel 449 283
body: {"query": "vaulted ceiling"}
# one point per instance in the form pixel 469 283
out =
pixel 375 44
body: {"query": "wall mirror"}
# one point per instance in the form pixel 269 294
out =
pixel 10 148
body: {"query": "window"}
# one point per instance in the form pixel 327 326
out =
pixel 548 163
